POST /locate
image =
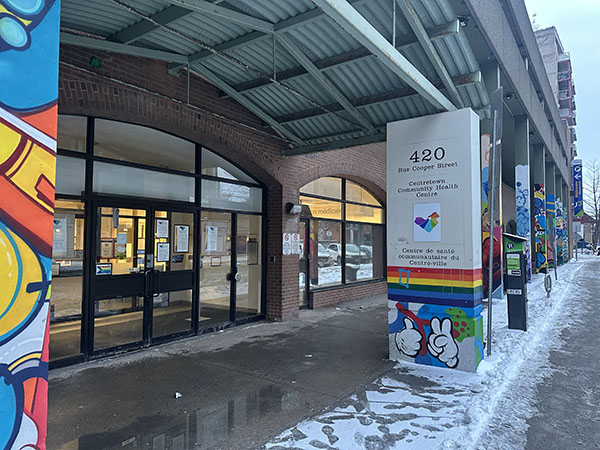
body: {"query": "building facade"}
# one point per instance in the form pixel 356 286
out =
pixel 219 164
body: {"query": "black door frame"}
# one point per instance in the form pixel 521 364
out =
pixel 150 279
pixel 304 264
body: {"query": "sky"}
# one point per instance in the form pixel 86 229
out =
pixel 577 22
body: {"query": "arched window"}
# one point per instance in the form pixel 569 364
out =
pixel 346 232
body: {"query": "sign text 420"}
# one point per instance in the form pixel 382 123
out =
pixel 427 155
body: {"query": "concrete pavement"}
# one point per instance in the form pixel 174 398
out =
pixel 568 402
pixel 239 388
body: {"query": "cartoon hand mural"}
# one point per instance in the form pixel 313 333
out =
pixel 408 340
pixel 441 344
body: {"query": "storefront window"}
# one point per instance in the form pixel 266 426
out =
pixel 71 133
pixel 67 279
pixel 361 213
pixel 70 175
pixel 325 209
pixel 136 182
pixel 249 265
pixel 133 297
pixel 215 166
pixel 324 187
pixel 143 145
pixel 222 195
pixel 359 217
pixel 326 264
pixel 357 193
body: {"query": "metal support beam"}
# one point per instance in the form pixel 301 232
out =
pixel 227 14
pixel 143 27
pixel 322 79
pixel 414 21
pixel 437 32
pixel 374 99
pixel 353 142
pixel 361 30
pixel 255 36
pixel 218 82
pixel 109 46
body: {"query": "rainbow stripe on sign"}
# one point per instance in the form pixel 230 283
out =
pixel 450 287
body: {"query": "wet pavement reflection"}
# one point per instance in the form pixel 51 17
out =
pixel 198 429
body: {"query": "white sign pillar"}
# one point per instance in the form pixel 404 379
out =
pixel 434 240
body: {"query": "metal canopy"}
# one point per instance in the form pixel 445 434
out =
pixel 323 74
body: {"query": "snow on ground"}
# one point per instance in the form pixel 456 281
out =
pixel 424 407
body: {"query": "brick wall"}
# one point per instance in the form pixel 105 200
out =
pixel 330 297
pixel 141 91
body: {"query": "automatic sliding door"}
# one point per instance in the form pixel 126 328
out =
pixel 215 257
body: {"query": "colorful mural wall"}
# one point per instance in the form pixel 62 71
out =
pixel 28 113
pixel 550 230
pixel 539 211
pixel 578 188
pixel 433 271
pixel 562 249
pixel 523 212
pixel 438 332
pixel 486 147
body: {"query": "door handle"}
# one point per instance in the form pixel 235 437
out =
pixel 230 276
pixel 157 293
pixel 148 279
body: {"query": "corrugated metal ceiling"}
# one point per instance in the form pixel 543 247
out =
pixel 307 108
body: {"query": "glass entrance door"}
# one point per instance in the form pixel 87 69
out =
pixel 173 274
pixel 215 268
pixel 306 252
pixel 143 283
pixel 119 281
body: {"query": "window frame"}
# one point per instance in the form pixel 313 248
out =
pixel 344 221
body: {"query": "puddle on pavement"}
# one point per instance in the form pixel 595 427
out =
pixel 198 429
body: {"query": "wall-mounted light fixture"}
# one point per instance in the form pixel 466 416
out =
pixel 292 208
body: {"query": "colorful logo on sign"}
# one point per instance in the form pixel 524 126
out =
pixel 427 222
pixel 430 223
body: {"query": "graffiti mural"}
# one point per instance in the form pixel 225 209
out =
pixel 447 331
pixel 559 232
pixel 485 227
pixel 578 188
pixel 523 212
pixel 539 211
pixel 550 230
pixel 28 110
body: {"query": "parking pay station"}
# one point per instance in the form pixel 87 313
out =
pixel 515 280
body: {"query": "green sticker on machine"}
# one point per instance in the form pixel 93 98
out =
pixel 513 264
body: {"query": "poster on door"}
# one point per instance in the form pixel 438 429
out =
pixel 121 245
pixel 212 238
pixel 162 228
pixel 182 238
pixel 162 252
pixel 59 244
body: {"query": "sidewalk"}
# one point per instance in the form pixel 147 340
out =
pixel 319 382
pixel 239 388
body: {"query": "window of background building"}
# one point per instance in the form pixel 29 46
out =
pixel 358 217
